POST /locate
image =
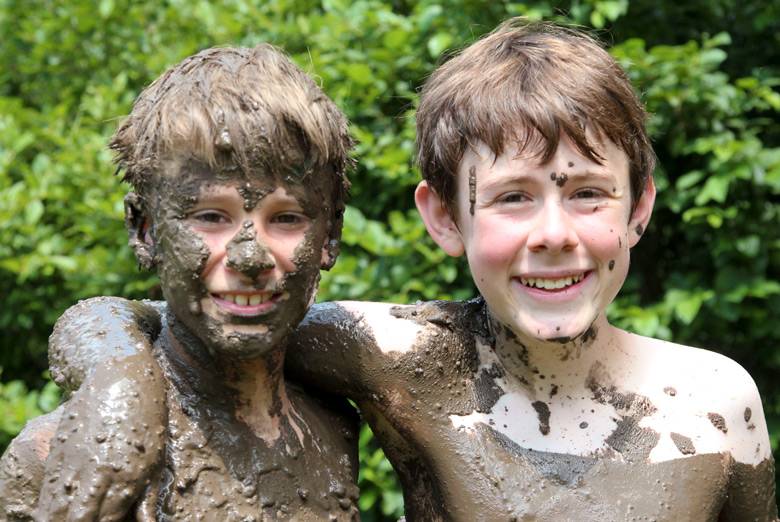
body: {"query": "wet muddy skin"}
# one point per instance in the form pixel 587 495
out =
pixel 455 474
pixel 447 473
pixel 217 469
pixel 182 442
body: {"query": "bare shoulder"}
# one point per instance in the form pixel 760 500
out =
pixel 97 329
pixel 704 397
pixel 402 329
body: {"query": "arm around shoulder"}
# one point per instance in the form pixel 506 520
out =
pixel 344 347
pixel 96 331
pixel 110 442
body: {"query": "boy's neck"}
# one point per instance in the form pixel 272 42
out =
pixel 257 386
pixel 529 360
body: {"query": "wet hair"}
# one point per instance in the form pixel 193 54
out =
pixel 235 107
pixel 530 83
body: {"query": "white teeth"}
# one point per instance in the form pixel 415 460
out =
pixel 551 284
pixel 244 300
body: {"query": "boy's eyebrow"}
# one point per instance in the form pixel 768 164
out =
pixel 528 179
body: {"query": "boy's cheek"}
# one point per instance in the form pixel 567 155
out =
pixel 184 253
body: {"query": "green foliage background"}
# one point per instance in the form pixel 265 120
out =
pixel 705 274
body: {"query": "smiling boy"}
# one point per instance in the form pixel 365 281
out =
pixel 238 164
pixel 525 403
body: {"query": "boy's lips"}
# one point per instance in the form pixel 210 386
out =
pixel 248 303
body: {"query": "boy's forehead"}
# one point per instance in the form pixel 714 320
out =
pixel 186 182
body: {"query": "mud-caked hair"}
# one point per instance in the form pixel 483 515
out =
pixel 529 83
pixel 235 107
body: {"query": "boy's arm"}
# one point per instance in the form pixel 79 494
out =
pixel 109 445
pixel 752 486
pixel 346 347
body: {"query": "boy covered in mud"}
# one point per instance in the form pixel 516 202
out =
pixel 525 403
pixel 238 164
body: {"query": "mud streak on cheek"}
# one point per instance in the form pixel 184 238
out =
pixel 472 188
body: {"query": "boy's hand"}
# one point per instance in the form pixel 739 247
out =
pixel 109 446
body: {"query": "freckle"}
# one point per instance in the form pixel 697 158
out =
pixel 639 230
pixel 612 264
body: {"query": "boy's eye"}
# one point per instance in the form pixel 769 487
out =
pixel 211 217
pixel 587 194
pixel 513 197
pixel 290 218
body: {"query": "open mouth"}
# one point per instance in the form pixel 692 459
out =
pixel 249 303
pixel 552 284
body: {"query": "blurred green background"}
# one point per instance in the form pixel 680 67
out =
pixel 706 273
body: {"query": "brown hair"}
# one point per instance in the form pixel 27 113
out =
pixel 529 82
pixel 248 107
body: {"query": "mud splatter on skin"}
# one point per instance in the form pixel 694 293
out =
pixel 718 421
pixel 683 443
pixel 184 256
pixel 215 461
pixel 639 230
pixel 543 414
pixel 631 440
pixel 559 179
pixel 252 195
pixel 748 414
pixel 246 255
pixel 612 264
pixel 670 391
pixel 472 188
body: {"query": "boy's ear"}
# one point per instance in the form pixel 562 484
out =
pixel 137 225
pixel 330 250
pixel 642 212
pixel 440 224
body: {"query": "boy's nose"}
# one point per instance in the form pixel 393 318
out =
pixel 246 254
pixel 553 230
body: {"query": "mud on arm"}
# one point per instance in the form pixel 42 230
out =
pixel 109 445
pixel 334 349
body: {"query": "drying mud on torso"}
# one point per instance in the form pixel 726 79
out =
pixel 483 435
pixel 216 468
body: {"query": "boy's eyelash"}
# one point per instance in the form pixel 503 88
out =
pixel 512 197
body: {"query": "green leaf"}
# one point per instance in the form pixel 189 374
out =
pixel 716 188
pixel 438 43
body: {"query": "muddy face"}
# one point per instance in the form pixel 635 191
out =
pixel 239 253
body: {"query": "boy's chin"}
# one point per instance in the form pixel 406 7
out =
pixel 244 345
pixel 559 330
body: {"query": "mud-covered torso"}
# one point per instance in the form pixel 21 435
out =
pixel 217 469
pixel 453 470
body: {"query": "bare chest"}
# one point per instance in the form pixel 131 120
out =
pixel 215 469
